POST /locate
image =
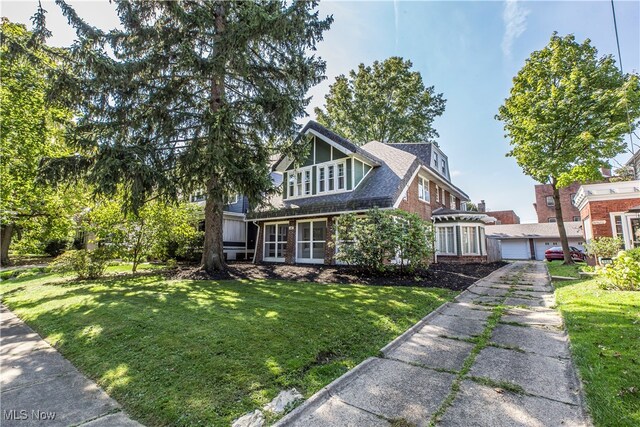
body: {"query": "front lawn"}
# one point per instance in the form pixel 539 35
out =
pixel 557 268
pixel 604 328
pixel 205 352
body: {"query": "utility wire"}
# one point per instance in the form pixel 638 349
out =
pixel 631 144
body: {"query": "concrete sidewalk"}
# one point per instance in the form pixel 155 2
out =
pixel 497 356
pixel 41 388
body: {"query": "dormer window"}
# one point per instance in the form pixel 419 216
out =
pixel 435 159
pixel 444 167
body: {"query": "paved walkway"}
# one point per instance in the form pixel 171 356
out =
pixel 497 356
pixel 41 388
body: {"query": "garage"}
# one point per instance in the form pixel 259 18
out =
pixel 515 249
pixel 517 239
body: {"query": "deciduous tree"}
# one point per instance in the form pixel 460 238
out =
pixel 567 114
pixel 190 95
pixel 31 128
pixel 386 102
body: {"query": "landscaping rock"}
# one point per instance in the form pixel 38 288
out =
pixel 252 419
pixel 282 400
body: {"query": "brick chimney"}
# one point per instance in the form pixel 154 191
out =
pixel 482 207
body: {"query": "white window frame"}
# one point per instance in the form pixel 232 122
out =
pixel 424 194
pixel 444 167
pixel 452 201
pixel 298 182
pixel 450 250
pixel 311 242
pixel 323 168
pixel 437 193
pixel 276 242
pixel 435 159
pixel 476 232
pixel 553 202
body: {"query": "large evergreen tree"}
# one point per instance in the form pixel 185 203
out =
pixel 386 102
pixel 190 95
pixel 567 114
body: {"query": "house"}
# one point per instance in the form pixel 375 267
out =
pixel 611 209
pixel 634 164
pixel 238 235
pixel 545 205
pixel 338 177
pixel 530 241
pixel 499 217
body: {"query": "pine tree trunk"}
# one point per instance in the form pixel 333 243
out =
pixel 213 254
pixel 560 222
pixel 5 241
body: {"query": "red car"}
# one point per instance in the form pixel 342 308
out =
pixel 556 253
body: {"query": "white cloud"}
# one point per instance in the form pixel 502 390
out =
pixel 515 23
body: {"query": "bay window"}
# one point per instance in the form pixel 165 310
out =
pixel 470 240
pixel 445 240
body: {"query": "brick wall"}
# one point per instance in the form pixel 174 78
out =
pixel 504 217
pixel 568 209
pixel 413 204
pixel 599 211
pixel 290 258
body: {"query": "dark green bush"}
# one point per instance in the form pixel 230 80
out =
pixel 55 247
pixel 85 264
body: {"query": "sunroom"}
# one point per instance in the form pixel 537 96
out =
pixel 460 235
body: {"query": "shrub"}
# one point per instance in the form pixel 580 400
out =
pixel 604 247
pixel 634 253
pixel 622 274
pixel 374 240
pixel 85 264
pixel 55 247
pixel 172 264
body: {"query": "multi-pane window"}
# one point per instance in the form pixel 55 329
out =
pixel 330 177
pixel 470 240
pixel 423 189
pixel 299 183
pixel 435 159
pixel 307 182
pixel 292 185
pixel 444 167
pixel 311 241
pixel 321 179
pixel 275 241
pixel 573 199
pixel 437 194
pixel 445 241
pixel 617 219
pixel 550 201
pixel 341 182
pixel 452 201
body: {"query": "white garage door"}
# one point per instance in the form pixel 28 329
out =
pixel 543 245
pixel 515 249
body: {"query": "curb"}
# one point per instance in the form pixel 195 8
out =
pixel 325 393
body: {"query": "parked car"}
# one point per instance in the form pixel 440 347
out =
pixel 556 253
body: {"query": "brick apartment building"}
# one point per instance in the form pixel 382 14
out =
pixel 545 206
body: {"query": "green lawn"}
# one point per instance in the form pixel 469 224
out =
pixel 604 328
pixel 204 352
pixel 557 268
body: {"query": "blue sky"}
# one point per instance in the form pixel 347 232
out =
pixel 468 50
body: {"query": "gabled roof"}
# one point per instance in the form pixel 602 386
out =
pixel 392 170
pixel 343 144
pixel 531 231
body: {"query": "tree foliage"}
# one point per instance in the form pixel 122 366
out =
pixel 567 114
pixel 386 102
pixel 31 129
pixel 189 95
pixel 145 234
pixel 373 240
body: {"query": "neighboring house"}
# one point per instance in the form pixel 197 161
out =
pixel 238 235
pixel 634 163
pixel 611 209
pixel 530 241
pixel 338 177
pixel 499 217
pixel 545 206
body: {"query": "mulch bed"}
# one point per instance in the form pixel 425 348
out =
pixel 442 275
